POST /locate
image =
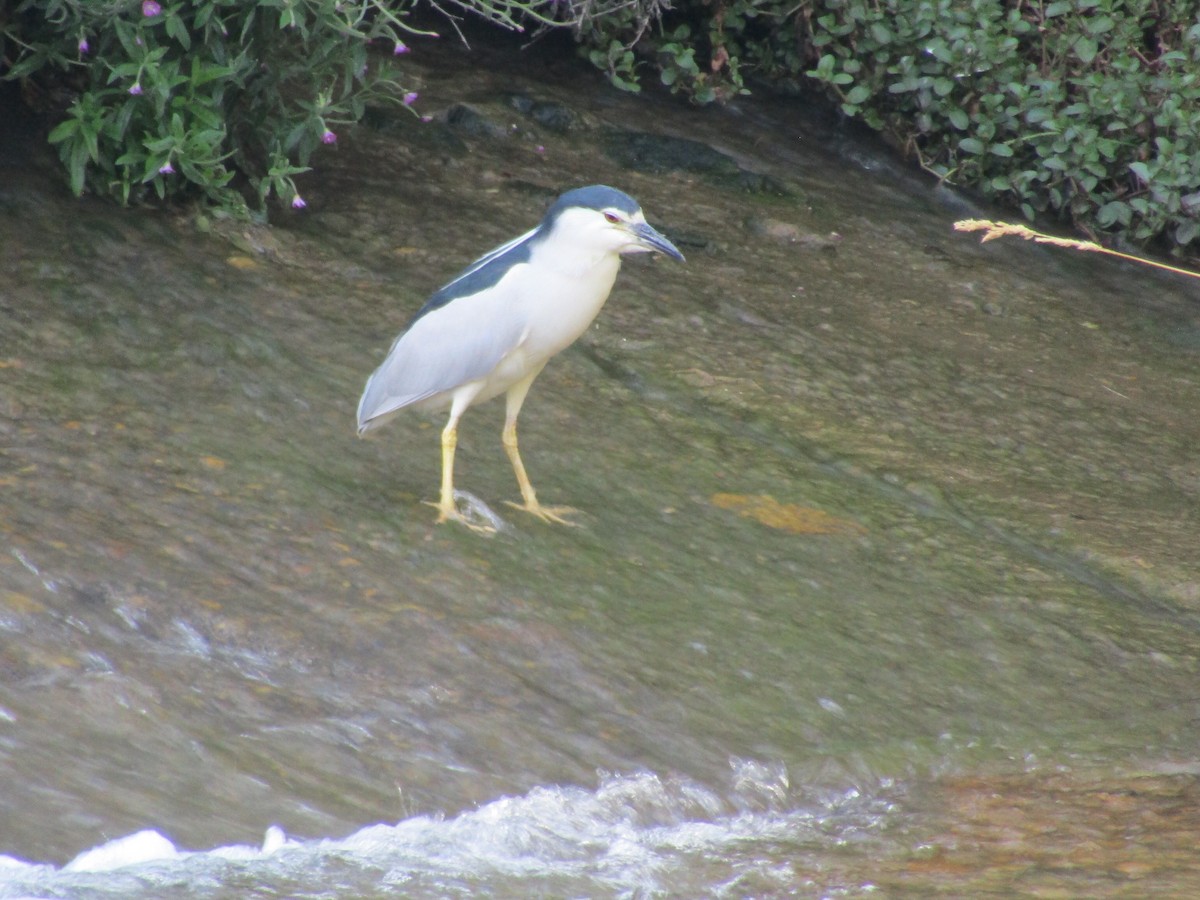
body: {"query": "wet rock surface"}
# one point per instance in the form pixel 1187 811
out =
pixel 893 513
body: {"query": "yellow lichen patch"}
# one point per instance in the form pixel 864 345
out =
pixel 242 262
pixel 785 516
pixel 17 603
pixel 213 462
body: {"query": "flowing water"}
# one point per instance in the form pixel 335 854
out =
pixel 886 578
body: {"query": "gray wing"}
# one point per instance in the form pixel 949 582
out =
pixel 446 347
pixel 507 251
pixel 482 274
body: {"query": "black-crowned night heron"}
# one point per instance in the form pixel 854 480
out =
pixel 492 329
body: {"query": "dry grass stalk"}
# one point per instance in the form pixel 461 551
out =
pixel 993 230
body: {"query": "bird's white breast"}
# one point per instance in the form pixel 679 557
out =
pixel 561 295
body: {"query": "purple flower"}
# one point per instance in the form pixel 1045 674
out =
pixel 328 137
pixel 166 168
pixel 298 202
pixel 401 48
pixel 136 89
pixel 150 8
pixel 83 45
pixel 410 98
pixel 426 118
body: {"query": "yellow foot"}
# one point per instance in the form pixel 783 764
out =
pixel 554 514
pixel 476 516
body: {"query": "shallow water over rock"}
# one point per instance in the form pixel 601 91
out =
pixel 879 525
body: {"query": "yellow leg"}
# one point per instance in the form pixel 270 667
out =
pixel 445 506
pixel 447 509
pixel 516 396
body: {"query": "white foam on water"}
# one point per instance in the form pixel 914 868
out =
pixel 145 846
pixel 632 836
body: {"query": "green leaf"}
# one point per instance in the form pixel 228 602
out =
pixel 77 168
pixel 178 30
pixel 937 48
pixel 1112 213
pixel 971 145
pixel 858 94
pixel 26 66
pixel 63 130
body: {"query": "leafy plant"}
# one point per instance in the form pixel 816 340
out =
pixel 1088 109
pixel 1085 109
pixel 180 98
pixel 223 98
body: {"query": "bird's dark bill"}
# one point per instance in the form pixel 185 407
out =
pixel 655 240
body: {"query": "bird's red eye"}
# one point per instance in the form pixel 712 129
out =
pixel 612 218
